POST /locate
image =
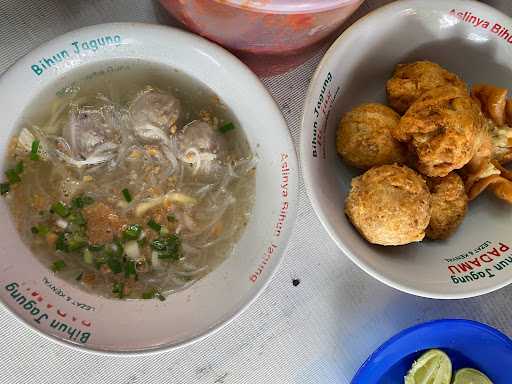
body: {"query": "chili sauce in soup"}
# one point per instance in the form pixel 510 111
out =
pixel 134 184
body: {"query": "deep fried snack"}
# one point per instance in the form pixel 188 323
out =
pixel 449 205
pixel 389 205
pixel 492 100
pixel 442 128
pixel 498 113
pixel 412 80
pixel 493 176
pixel 364 137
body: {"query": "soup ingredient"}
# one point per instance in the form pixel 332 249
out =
pixel 441 127
pixel 433 367
pixel 364 137
pixel 493 101
pixel 412 80
pixel 470 376
pixel 389 205
pixel 449 205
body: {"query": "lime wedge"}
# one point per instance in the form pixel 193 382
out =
pixel 470 376
pixel 433 367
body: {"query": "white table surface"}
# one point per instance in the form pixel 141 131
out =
pixel 317 332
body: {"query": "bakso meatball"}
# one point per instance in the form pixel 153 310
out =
pixel 364 137
pixel 442 129
pixel 449 205
pixel 389 205
pixel 412 80
pixel 154 108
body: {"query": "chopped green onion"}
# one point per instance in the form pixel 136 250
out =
pixel 118 288
pixel 167 247
pixel 40 229
pixel 142 242
pixel 226 127
pixel 115 265
pixel 132 232
pixel 81 201
pixel 129 269
pixel 61 244
pixel 154 225
pixel 58 265
pixel 79 277
pixel 4 188
pixel 60 209
pixel 76 241
pixel 76 218
pixel 88 257
pixel 96 247
pixel 18 168
pixel 164 231
pixel 127 195
pixel 33 153
pixel 171 218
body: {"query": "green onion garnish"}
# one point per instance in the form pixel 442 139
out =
pixel 13 174
pixel 153 293
pixel 154 225
pixel 171 218
pixel 115 265
pixel 79 277
pixel 167 247
pixel 226 127
pixel 62 244
pixel 40 229
pixel 118 288
pixel 58 265
pixel 81 201
pixel 4 188
pixel 127 195
pixel 33 152
pixel 96 247
pixel 60 209
pixel 129 269
pixel 88 257
pixel 132 232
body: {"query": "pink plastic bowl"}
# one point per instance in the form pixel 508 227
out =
pixel 271 36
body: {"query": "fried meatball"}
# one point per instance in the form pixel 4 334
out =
pixel 449 205
pixel 389 205
pixel 442 129
pixel 412 80
pixel 364 137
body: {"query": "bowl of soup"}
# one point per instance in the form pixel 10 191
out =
pixel 402 205
pixel 146 186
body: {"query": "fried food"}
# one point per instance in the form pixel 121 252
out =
pixel 364 137
pixel 412 80
pixel 449 205
pixel 442 129
pixel 493 101
pixel 389 205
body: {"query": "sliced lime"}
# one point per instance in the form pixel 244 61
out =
pixel 470 376
pixel 433 367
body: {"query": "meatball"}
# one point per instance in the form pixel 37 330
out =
pixel 364 137
pixel 442 129
pixel 411 80
pixel 449 205
pixel 389 205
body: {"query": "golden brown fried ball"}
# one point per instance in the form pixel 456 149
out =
pixel 412 80
pixel 442 128
pixel 364 137
pixel 389 205
pixel 449 205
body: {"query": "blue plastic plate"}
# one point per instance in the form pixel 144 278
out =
pixel 468 343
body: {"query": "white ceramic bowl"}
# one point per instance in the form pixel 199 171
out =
pixel 462 36
pixel 52 306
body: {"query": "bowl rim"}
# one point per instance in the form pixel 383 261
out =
pixel 397 6
pixel 255 84
pixel 429 324
pixel 289 7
